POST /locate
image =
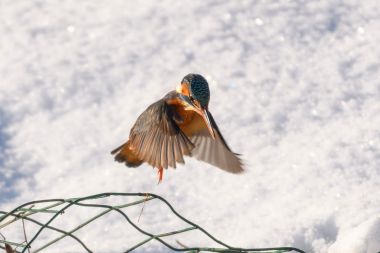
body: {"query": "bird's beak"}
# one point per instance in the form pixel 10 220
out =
pixel 202 112
pixel 206 118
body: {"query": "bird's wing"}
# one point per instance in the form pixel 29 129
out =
pixel 215 152
pixel 156 138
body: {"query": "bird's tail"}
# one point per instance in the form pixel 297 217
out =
pixel 124 154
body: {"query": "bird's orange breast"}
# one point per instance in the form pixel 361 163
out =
pixel 191 122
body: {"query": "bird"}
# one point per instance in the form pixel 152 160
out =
pixel 178 125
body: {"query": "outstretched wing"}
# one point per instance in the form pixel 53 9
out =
pixel 156 138
pixel 215 152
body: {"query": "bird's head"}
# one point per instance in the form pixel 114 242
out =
pixel 195 95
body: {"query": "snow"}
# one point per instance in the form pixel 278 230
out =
pixel 294 85
pixel 352 240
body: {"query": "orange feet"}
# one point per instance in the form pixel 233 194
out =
pixel 160 174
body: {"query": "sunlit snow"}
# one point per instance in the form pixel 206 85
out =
pixel 295 88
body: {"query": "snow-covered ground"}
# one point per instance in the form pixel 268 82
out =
pixel 295 88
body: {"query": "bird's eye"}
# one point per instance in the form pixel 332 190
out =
pixel 192 99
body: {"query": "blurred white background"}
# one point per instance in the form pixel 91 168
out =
pixel 295 88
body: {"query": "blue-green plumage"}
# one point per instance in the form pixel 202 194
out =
pixel 198 88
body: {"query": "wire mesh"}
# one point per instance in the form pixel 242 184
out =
pixel 56 207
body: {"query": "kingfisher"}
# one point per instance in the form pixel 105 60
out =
pixel 175 126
